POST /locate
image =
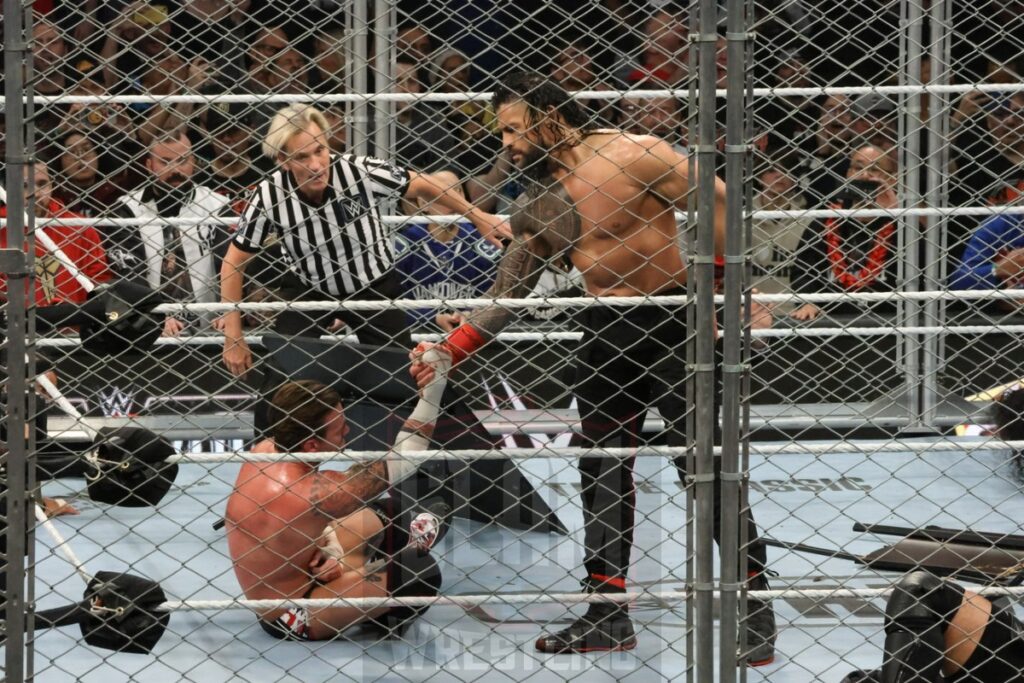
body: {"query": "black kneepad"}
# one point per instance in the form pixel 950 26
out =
pixel 916 618
pixel 409 575
pixel 923 598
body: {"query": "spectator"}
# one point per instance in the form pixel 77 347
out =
pixel 873 121
pixel 471 121
pixel 111 116
pixel 212 32
pixel 660 116
pixel 574 69
pixel 994 257
pixel 1003 67
pixel 52 75
pixel 988 160
pixel 822 170
pixel 88 182
pixel 442 261
pixel 274 64
pixel 792 119
pixel 171 75
pixel 181 261
pixel 81 244
pixel 134 40
pixel 232 169
pixel 414 44
pixel 855 254
pixel 665 51
pixel 329 60
pixel 451 71
pixel 422 140
pixel 274 67
pixel 775 242
pixel 990 166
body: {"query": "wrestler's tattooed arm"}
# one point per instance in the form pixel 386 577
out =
pixel 544 228
pixel 339 494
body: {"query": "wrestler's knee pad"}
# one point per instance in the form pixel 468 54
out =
pixel 409 574
pixel 923 598
pixel 916 616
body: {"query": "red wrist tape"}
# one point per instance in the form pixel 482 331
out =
pixel 463 341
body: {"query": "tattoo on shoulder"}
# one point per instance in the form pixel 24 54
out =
pixel 337 497
pixel 551 215
pixel 545 226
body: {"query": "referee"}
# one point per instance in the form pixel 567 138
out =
pixel 323 210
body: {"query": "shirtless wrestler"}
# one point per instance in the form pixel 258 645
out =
pixel 295 531
pixel 604 201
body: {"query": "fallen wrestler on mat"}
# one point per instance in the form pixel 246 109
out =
pixel 295 531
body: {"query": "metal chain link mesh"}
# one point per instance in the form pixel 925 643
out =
pixel 841 434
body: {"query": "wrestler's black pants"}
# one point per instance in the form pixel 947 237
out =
pixel 629 360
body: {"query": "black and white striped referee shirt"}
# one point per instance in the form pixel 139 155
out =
pixel 339 245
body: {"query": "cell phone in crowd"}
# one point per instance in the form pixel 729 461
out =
pixel 860 191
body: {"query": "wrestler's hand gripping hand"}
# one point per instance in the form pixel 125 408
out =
pixel 415 434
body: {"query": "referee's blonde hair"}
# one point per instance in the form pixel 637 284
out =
pixel 289 122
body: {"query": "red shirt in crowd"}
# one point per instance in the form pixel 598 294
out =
pixel 81 243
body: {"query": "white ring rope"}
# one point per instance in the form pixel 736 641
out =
pixel 514 337
pixel 681 93
pixel 400 220
pixel 64 404
pixel 472 454
pixel 465 601
pixel 583 301
pixel 61 545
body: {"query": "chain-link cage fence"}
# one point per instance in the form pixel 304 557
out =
pixel 712 310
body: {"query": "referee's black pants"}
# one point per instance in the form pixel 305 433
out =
pixel 386 327
pixel 630 360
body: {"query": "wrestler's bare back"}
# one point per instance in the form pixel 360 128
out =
pixel 275 515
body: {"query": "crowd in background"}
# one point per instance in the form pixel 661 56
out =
pixel 811 152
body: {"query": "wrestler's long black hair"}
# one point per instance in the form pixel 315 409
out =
pixel 539 94
pixel 1009 417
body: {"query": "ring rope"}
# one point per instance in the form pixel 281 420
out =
pixel 584 301
pixel 513 337
pixel 471 454
pixel 681 93
pixel 399 219
pixel 61 545
pixel 466 601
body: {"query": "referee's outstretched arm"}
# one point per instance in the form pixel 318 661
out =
pixel 430 188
